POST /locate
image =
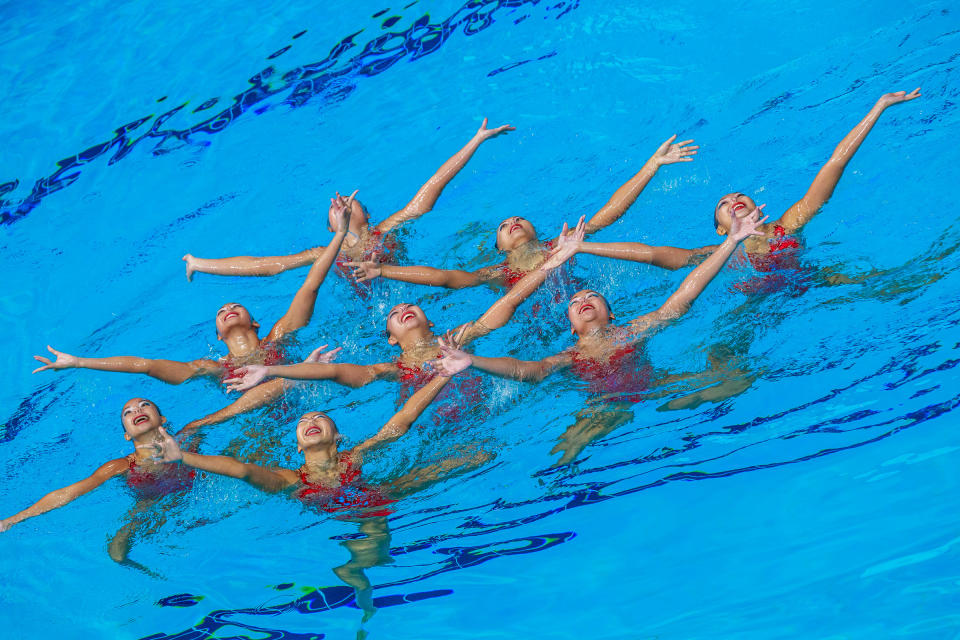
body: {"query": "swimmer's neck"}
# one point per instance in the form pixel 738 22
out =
pixel 144 449
pixel 241 342
pixel 595 336
pixel 526 251
pixel 356 233
pixel 420 346
pixel 320 459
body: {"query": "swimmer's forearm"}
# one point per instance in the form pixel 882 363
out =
pixel 506 367
pixel 450 278
pixel 696 281
pixel 254 474
pixel 351 375
pixel 60 497
pixel 503 309
pixel 623 197
pixel 665 257
pixel 170 371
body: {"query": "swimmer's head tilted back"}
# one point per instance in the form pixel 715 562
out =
pixel 359 218
pixel 140 416
pixel 588 311
pixel 732 204
pixel 407 323
pixel 315 430
pixel 514 232
pixel 233 316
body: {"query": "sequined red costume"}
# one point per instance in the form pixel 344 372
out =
pixel 351 495
pixel 624 372
pixel 780 264
pixel 510 275
pixel 386 248
pixel 158 482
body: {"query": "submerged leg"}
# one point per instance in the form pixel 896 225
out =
pixel 250 265
pixel 592 424
pixel 119 544
pixel 370 551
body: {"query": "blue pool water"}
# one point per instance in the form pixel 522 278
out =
pixel 819 503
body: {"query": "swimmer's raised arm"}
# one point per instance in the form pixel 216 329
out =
pixel 665 257
pixel 60 497
pixel 667 153
pixel 428 194
pixel 401 422
pixel 270 480
pixel 349 375
pixel 301 309
pixel 170 371
pixel 829 175
pixel 698 279
pixel 504 308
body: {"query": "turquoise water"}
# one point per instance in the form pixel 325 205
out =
pixel 819 503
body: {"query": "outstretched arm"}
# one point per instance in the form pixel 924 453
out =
pixel 698 279
pixel 250 265
pixel 170 371
pixel 269 480
pixel 427 196
pixel 301 309
pixel 60 497
pixel 252 399
pixel 823 185
pixel 666 257
pixel 504 308
pixel 349 375
pixel 667 153
pixel 455 359
pixel 449 278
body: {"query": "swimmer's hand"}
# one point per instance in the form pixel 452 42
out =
pixel 166 449
pixel 485 134
pixel 63 361
pixel 246 377
pixel 4 525
pixel 897 97
pixel 191 266
pixel 567 244
pixel 317 355
pixel 670 152
pixel 452 360
pixel 749 225
pixel 342 207
pixel 366 270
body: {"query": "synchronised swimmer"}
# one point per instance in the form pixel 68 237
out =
pixel 608 358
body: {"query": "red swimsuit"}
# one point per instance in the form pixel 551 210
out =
pixel 384 245
pixel 625 372
pixel 779 264
pixel 351 495
pixel 462 392
pixel 150 485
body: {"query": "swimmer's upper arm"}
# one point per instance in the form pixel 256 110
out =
pixel 102 474
pixel 206 367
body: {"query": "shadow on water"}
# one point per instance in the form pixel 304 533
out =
pixel 335 78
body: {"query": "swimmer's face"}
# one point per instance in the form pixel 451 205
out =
pixel 405 318
pixel 232 315
pixel 587 309
pixel 514 232
pixel 316 429
pixel 358 216
pixel 730 205
pixel 140 416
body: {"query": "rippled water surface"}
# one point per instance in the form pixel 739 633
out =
pixel 818 503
